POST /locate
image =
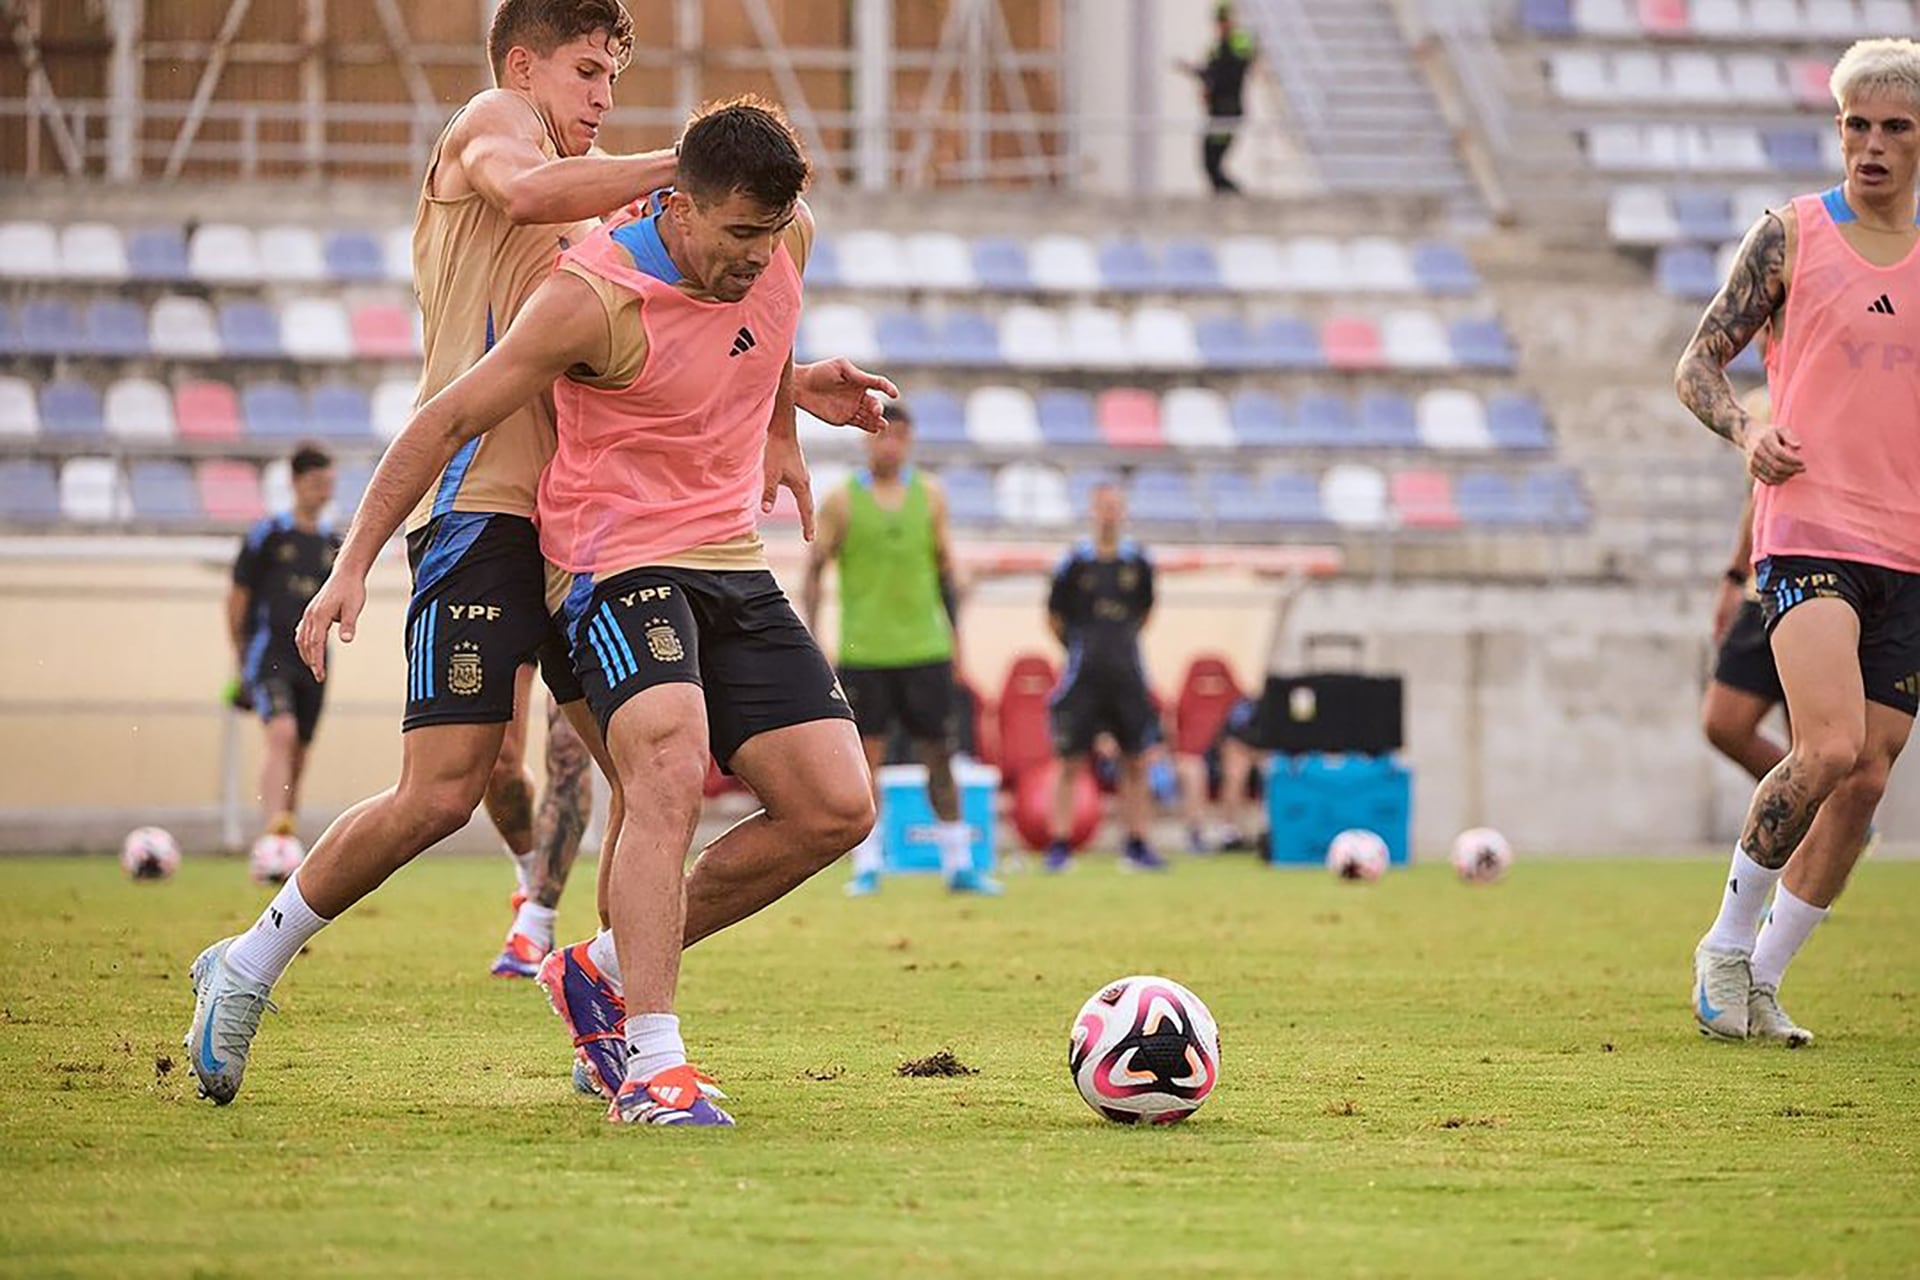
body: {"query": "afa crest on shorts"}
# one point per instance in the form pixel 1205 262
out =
pixel 463 669
pixel 663 642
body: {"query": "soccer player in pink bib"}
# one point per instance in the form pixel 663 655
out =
pixel 1834 280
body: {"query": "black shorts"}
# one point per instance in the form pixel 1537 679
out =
pixel 917 699
pixel 1087 705
pixel 1746 659
pixel 1886 601
pixel 732 633
pixel 283 686
pixel 478 614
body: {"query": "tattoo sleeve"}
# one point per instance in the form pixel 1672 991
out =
pixel 1754 292
pixel 1782 811
pixel 565 808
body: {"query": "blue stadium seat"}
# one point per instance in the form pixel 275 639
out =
pixel 823 265
pixel 350 485
pixel 906 339
pixel 1001 263
pixel 1225 342
pixel 1703 215
pixel 1487 498
pixel 1128 265
pixel 970 337
pixel 1295 498
pixel 250 330
pixel 1515 422
pixel 1163 496
pixel 1686 271
pixel 1792 150
pixel 274 410
pixel 29 490
pixel 1082 483
pixel 69 408
pixel 340 409
pixel 1481 344
pixel 1067 417
pixel 1324 421
pixel 1288 342
pixel 938 417
pixel 1190 266
pixel 1239 498
pixel 355 256
pixel 1553 496
pixel 157 254
pixel 116 328
pixel 969 495
pixel 162 489
pixel 50 327
pixel 1547 17
pixel 1261 418
pixel 1444 268
pixel 1387 421
pixel 1749 361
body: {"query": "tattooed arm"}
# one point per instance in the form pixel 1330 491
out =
pixel 565 807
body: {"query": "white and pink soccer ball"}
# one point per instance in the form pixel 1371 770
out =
pixel 1144 1049
pixel 1481 855
pixel 274 858
pixel 1357 854
pixel 149 853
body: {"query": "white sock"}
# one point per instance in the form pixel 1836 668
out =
pixel 1741 905
pixel 653 1044
pixel 262 953
pixel 1787 929
pixel 535 923
pixel 956 848
pixel 522 868
pixel 866 854
pixel 607 960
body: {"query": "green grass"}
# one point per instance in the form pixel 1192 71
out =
pixel 1420 1079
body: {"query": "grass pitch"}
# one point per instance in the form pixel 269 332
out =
pixel 1419 1079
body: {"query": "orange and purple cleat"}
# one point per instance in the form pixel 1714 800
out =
pixel 519 958
pixel 678 1095
pixel 594 1013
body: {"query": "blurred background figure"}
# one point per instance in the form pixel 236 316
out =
pixel 1223 82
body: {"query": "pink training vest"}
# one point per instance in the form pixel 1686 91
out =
pixel 1846 382
pixel 671 462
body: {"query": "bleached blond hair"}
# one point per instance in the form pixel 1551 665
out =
pixel 1877 64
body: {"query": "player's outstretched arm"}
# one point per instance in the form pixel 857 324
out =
pixel 562 325
pixel 840 393
pixel 497 145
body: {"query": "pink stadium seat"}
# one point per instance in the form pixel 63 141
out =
pixel 1352 343
pixel 229 490
pixel 1664 17
pixel 206 411
pixel 1424 500
pixel 1809 78
pixel 383 332
pixel 1129 418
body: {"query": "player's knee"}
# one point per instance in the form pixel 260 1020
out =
pixel 1867 782
pixel 283 734
pixel 1723 733
pixel 841 818
pixel 1823 760
pixel 675 775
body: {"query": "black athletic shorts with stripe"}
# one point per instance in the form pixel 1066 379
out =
pixel 1745 661
pixel 1886 601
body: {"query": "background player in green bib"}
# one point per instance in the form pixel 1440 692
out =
pixel 887 528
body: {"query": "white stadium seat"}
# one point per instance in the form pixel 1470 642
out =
pixel 1415 340
pixel 1718 17
pixel 939 260
pixel 392 406
pixel 221 253
pixel 1735 149
pixel 1027 493
pixel 1196 418
pixel 1640 77
pixel 872 260
pixel 1756 79
pixel 1605 18
pixel 28 250
pixel 396 251
pixel 1776 18
pixel 1834 19
pixel 93 251
pixel 139 409
pixel 1162 338
pixel 1723 260
pixel 1380 264
pixel 92 489
pixel 19 410
pixel 276 485
pixel 1096 338
pixel 1032 336
pixel 840 329
pixel 1354 496
pixel 1750 202
pixel 1698 77
pixel 1887 17
pixel 1065 262
pixel 1452 419
pixel 1579 75
pixel 291 253
pixel 1253 264
pixel 1317 264
pixel 183 328
pixel 1002 417
pixel 316 329
pixel 1615 146
pixel 1641 215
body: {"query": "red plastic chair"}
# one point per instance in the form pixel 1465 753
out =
pixel 1352 343
pixel 1808 78
pixel 1424 500
pixel 1664 17
pixel 1207 694
pixel 229 490
pixel 382 331
pixel 206 411
pixel 1129 418
pixel 1026 737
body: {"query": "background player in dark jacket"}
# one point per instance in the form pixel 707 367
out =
pixel 1223 80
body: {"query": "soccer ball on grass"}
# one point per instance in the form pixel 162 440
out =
pixel 1144 1049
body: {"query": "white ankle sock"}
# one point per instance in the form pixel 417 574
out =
pixel 866 854
pixel 606 960
pixel 522 867
pixel 262 953
pixel 535 923
pixel 1741 904
pixel 955 840
pixel 653 1044
pixel 1788 926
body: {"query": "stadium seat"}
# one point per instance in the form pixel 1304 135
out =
pixel 1381 265
pixel 1487 498
pixel 250 331
pixel 1159 495
pixel 1662 17
pixel 1316 264
pixel 1809 79
pixel 1605 18
pixel 1129 418
pixel 396 253
pixel 115 328
pixel 1082 483
pixel 29 491
pixel 1516 422
pixel 162 489
pixel 1756 79
pixel 1424 500
pixel 1791 150
pixel 1414 340
pixel 228 490
pixel 1294 497
pixel 939 260
pixel 19 409
pixel 28 251
pixel 276 485
pixel 1749 203
pixel 1452 419
pixel 1880 16
pixel 905 339
pixel 291 254
pixel 222 253
pixel 70 408
pixel 1208 694
pixel 392 406
pixel 1639 76
pixel 1224 342
pixel 340 410
pixel 1064 262
pixel 1834 20
pixel 1618 146
pixel 1686 271
pixel 1387 421
pixel 1097 337
pixel 1128 266
pixel 50 327
pixel 823 264
pixel 383 331
pixel 1236 497
pixel 1777 18
pixel 873 260
pixel 1029 494
pixel 1162 338
pixel 1579 75
pixel 183 328
pixel 1324 421
pixel 92 490
pixel 1547 17
pixel 354 257
pixel 1736 150
pixel 316 329
pixel 1717 18
pixel 1641 215
pixel 1288 342
pixel 970 338
pixel 206 411
pixel 1553 496
pixel 274 410
pixel 1253 264
pixel 1352 343
pixel 938 417
pixel 1261 419
pixel 1032 337
pixel 1026 735
pixel 1189 266
pixel 1002 418
pixel 1001 263
pixel 1196 418
pixel 1703 215
pixel 1066 417
pixel 969 495
pixel 93 251
pixel 1698 77
pixel 1442 268
pixel 157 255
pixel 352 475
pixel 839 329
pixel 1355 496
pixel 1481 344
pixel 139 409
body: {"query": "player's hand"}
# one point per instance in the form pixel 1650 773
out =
pixel 783 465
pixel 1773 453
pixel 841 393
pixel 339 601
pixel 1725 605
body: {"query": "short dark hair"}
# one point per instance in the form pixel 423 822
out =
pixel 743 144
pixel 545 25
pixel 310 457
pixel 896 413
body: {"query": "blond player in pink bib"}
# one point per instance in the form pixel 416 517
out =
pixel 1834 281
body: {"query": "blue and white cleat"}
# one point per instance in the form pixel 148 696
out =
pixel 973 882
pixel 1722 982
pixel 864 885
pixel 678 1095
pixel 226 1015
pixel 594 1013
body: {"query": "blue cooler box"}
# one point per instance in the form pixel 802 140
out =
pixel 907 821
pixel 1313 798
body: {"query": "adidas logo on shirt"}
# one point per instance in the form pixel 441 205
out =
pixel 1882 307
pixel 743 342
